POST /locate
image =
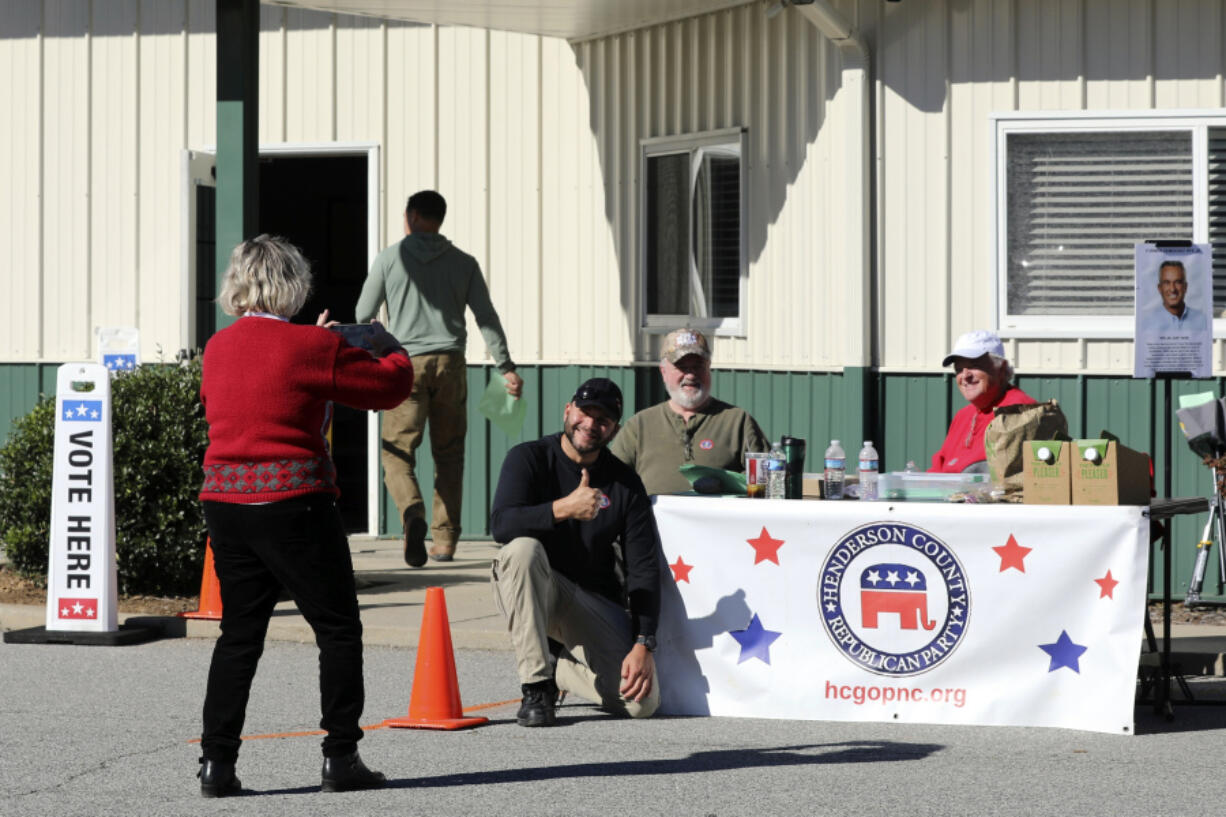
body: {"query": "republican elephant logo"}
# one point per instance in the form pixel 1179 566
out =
pixel 894 588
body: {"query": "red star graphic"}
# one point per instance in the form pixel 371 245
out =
pixel 1012 555
pixel 765 548
pixel 681 571
pixel 1107 586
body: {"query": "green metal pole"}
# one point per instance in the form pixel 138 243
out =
pixel 238 152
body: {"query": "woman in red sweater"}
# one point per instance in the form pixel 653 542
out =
pixel 269 499
pixel 985 379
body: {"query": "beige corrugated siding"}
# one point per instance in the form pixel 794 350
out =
pixel 535 142
pixel 942 68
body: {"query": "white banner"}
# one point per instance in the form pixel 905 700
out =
pixel 81 577
pixel 907 612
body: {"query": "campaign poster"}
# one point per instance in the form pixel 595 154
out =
pixel 1174 309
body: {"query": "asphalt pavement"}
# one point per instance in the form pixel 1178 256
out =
pixel 100 730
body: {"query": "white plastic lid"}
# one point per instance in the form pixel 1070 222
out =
pixel 1091 455
pixel 1044 454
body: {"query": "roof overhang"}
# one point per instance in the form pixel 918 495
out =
pixel 569 19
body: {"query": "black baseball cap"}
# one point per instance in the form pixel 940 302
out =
pixel 600 391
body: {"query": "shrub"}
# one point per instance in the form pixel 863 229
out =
pixel 159 436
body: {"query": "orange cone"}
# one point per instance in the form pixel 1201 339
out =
pixel 210 589
pixel 435 702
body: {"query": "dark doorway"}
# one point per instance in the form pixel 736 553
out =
pixel 319 204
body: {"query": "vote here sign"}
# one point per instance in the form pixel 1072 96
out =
pixel 81 578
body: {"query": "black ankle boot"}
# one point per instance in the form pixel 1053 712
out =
pixel 349 773
pixel 217 778
pixel 537 708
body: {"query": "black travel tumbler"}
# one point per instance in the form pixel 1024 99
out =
pixel 794 453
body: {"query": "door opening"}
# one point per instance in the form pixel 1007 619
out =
pixel 319 199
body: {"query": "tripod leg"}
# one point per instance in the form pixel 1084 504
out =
pixel 1216 512
pixel 1206 541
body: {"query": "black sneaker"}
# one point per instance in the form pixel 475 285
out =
pixel 415 541
pixel 217 779
pixel 349 773
pixel 539 701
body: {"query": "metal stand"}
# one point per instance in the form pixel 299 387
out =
pixel 1215 531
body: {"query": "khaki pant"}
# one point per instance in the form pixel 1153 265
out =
pixel 540 604
pixel 440 397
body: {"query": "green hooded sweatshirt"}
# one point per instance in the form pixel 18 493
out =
pixel 426 282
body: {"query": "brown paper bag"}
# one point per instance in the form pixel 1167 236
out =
pixel 1005 438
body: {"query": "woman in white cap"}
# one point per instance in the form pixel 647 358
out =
pixel 985 379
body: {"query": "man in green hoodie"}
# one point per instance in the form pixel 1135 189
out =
pixel 427 283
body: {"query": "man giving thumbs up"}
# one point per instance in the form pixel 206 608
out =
pixel 563 502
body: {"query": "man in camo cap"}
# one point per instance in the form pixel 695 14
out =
pixel 690 426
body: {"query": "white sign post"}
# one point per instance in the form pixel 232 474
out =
pixel 119 348
pixel 81 576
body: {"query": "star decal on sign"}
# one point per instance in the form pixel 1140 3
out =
pixel 765 548
pixel 755 641
pixel 1064 653
pixel 873 577
pixel 1106 586
pixel 1012 555
pixel 681 571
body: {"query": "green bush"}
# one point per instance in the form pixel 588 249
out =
pixel 159 436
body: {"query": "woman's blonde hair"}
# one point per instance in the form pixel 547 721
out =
pixel 266 274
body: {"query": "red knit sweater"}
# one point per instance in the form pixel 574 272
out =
pixel 266 388
pixel 963 444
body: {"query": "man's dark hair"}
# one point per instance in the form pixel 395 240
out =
pixel 428 204
pixel 1172 263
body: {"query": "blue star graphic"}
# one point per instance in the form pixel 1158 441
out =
pixel 1064 653
pixel 755 641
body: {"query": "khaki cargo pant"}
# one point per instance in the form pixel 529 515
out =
pixel 540 604
pixel 439 398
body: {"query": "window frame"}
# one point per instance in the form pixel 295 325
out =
pixel 1106 327
pixel 691 143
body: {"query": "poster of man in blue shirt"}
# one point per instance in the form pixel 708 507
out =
pixel 1174 302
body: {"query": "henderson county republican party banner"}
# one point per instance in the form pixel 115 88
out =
pixel 1015 615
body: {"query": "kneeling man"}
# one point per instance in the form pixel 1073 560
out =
pixel 562 506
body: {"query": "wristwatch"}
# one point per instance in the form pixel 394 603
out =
pixel 648 641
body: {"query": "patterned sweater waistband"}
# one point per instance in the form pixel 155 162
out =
pixel 272 476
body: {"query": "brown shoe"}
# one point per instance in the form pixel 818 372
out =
pixel 442 553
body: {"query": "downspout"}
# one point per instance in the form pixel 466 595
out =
pixel 853 146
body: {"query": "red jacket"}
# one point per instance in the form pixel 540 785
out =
pixel 267 388
pixel 963 444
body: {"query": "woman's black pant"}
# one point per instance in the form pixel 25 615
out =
pixel 300 545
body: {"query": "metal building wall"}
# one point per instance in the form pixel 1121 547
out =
pixel 942 67
pixel 777 78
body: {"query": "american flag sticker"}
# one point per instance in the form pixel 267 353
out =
pixel 81 411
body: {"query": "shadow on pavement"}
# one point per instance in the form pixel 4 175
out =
pixel 816 754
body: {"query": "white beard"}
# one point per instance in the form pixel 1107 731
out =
pixel 688 400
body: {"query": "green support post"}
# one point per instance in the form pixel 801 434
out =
pixel 238 150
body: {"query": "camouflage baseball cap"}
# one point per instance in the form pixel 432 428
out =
pixel 682 342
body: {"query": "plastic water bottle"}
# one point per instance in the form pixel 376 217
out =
pixel 868 471
pixel 776 473
pixel 836 470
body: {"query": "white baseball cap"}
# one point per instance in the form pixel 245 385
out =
pixel 975 344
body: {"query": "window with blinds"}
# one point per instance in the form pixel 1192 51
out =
pixel 693 257
pixel 1217 215
pixel 1077 203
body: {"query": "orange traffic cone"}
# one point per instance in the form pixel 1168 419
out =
pixel 210 589
pixel 435 702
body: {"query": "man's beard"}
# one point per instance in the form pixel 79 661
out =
pixel 568 429
pixel 688 400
